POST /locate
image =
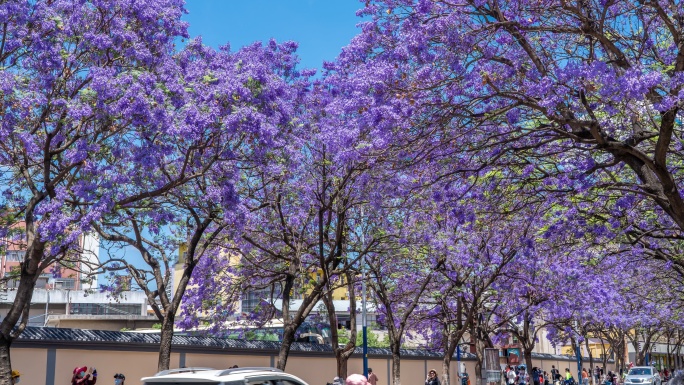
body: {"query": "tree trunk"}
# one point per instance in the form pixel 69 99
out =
pixel 342 360
pixel 479 365
pixel 527 352
pixel 342 354
pixel 165 341
pixel 5 361
pixel 396 363
pixel 17 316
pixel 446 363
pixel 288 339
pixel 591 357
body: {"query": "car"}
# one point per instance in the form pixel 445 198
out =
pixel 642 375
pixel 233 376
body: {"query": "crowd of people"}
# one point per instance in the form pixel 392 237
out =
pixel 372 379
pixel 520 376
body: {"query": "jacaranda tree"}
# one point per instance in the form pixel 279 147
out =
pixel 84 111
pixel 594 86
pixel 240 100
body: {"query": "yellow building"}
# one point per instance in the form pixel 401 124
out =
pixel 597 348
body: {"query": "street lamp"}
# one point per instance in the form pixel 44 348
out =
pixel 364 317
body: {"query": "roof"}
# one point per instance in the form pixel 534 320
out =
pixel 40 335
pixel 70 337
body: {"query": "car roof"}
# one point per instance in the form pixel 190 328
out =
pixel 210 375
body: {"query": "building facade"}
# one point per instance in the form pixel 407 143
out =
pixel 83 309
pixel 74 274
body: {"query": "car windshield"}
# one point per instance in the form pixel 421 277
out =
pixel 640 372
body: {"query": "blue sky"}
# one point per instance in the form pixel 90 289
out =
pixel 321 27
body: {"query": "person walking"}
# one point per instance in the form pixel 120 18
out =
pixel 432 378
pixel 510 376
pixel 555 374
pixel 372 378
pixel 84 376
pixel 568 377
pixel 16 377
pixel 523 376
pixel 536 376
pixel 585 376
pixel 119 379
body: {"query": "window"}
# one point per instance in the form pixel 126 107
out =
pixel 105 309
pixel 260 382
pixel 287 382
pixel 65 283
pixel 14 256
pixel 253 298
pixel 640 372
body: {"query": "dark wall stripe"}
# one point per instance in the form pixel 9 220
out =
pixel 389 376
pixel 50 370
pixel 273 361
pixel 426 369
pixel 181 363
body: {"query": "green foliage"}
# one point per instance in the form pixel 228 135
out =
pixel 374 340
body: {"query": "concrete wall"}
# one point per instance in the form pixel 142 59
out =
pixel 133 364
pixel 54 363
pixel 31 363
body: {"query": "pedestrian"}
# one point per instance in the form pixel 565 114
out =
pixel 597 375
pixel 585 376
pixel 337 381
pixel 84 376
pixel 119 379
pixel 546 378
pixel 523 376
pixel 568 377
pixel 372 378
pixel 536 378
pixel 432 378
pixel 511 376
pixel 356 379
pixel 555 374
pixel 465 378
pixel 16 377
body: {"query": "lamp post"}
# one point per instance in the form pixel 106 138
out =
pixel 579 356
pixel 364 316
pixel 364 323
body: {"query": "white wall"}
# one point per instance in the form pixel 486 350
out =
pixel 90 255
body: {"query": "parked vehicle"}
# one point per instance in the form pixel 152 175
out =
pixel 235 376
pixel 642 375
